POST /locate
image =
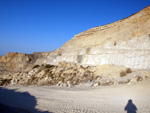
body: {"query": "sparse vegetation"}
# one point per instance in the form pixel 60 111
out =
pixel 36 66
pixel 115 43
pixel 128 70
pixel 48 66
pixel 122 74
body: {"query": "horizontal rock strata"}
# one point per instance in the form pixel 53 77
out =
pixel 125 42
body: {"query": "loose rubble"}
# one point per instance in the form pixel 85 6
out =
pixel 69 75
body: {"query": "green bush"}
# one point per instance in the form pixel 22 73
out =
pixel 36 66
pixel 48 66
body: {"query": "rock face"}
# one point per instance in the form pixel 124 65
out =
pixel 99 56
pixel 125 42
pixel 20 62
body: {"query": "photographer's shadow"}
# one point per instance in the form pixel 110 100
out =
pixel 130 107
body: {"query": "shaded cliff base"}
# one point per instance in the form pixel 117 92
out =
pixel 70 74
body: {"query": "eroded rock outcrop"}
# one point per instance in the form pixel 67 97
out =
pixel 20 62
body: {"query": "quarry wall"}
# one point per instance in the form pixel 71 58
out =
pixel 124 42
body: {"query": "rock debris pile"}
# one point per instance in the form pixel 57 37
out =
pixel 69 75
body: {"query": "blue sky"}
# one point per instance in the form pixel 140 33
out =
pixel 28 26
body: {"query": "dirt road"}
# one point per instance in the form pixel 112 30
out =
pixel 104 99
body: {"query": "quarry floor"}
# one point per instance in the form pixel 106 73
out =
pixel 80 99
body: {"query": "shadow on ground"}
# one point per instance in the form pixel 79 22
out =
pixel 12 101
pixel 130 107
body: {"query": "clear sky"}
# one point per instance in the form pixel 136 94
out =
pixel 29 26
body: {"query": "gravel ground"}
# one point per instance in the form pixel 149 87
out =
pixel 80 99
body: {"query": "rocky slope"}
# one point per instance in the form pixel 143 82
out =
pixel 89 56
pixel 69 75
pixel 125 42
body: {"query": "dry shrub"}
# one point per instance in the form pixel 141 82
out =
pixel 128 70
pixel 48 66
pixel 5 82
pixel 36 66
pixel 139 79
pixel 122 74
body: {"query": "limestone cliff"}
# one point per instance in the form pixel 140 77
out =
pixel 125 42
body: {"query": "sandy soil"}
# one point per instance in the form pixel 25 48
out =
pixel 80 99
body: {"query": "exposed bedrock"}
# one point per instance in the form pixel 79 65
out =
pixel 125 42
pixel 104 55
